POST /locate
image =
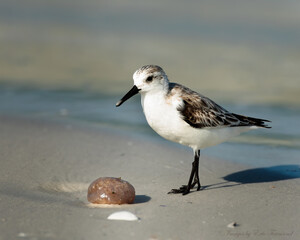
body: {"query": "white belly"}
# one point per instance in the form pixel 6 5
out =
pixel 165 119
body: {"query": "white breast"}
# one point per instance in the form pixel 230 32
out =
pixel 162 115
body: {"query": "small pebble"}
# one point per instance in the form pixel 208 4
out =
pixel 232 225
pixel 123 215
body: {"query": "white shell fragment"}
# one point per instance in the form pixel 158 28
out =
pixel 122 215
pixel 22 235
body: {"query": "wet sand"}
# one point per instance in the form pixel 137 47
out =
pixel 46 167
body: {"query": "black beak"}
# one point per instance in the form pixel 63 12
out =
pixel 134 90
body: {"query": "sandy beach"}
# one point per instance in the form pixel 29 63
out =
pixel 46 167
pixel 65 64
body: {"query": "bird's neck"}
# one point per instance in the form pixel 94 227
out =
pixel 153 98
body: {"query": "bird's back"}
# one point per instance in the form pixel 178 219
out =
pixel 201 112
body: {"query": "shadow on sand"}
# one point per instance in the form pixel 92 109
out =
pixel 259 175
pixel 269 174
pixel 141 199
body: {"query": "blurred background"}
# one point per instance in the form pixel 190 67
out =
pixel 75 59
pixel 226 49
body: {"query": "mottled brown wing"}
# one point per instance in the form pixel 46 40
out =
pixel 200 112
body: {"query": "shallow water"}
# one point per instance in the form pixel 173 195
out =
pixel 228 47
pixel 279 146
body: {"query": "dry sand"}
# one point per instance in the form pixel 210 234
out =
pixel 46 168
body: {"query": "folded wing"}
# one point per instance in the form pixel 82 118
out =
pixel 201 112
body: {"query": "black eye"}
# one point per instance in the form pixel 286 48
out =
pixel 149 79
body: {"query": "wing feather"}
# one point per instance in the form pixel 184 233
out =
pixel 201 112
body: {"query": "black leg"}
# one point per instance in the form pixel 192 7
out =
pixel 185 189
pixel 197 178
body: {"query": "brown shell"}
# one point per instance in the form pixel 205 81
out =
pixel 109 190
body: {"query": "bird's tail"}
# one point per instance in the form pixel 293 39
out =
pixel 250 121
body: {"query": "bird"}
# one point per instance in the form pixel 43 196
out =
pixel 182 115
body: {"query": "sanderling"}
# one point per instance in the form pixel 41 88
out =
pixel 182 115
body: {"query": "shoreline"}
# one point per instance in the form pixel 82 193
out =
pixel 46 166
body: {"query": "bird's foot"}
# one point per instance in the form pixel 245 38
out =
pixel 183 190
pixel 196 183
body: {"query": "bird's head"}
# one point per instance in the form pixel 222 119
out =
pixel 147 78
